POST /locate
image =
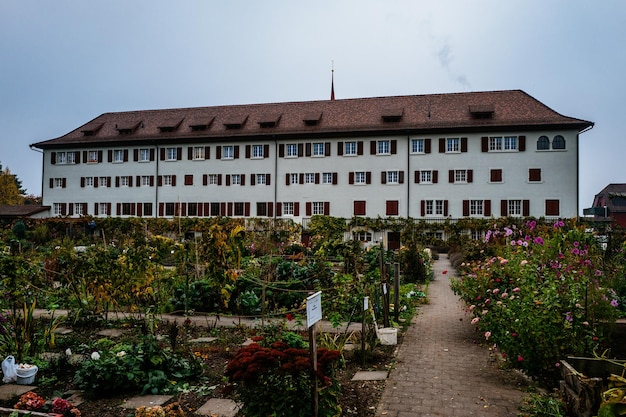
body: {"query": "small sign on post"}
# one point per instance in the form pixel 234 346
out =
pixel 313 315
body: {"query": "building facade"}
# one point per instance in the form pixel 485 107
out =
pixel 483 154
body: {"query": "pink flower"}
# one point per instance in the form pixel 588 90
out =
pixel 445 271
pixel 496 290
pixel 487 335
pixel 516 289
pixel 520 358
pixel 475 320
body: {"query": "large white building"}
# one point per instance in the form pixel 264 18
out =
pixel 482 154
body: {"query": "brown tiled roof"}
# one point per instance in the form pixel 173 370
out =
pixel 421 114
pixel 613 196
pixel 16 211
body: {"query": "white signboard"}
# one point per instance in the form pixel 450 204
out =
pixel 313 308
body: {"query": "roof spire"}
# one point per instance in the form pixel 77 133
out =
pixel 332 81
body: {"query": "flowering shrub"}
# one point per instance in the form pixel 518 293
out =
pixel 276 380
pixel 541 297
pixel 30 401
pixel 64 407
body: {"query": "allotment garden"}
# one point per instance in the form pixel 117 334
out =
pixel 537 293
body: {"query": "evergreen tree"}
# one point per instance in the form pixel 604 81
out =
pixel 11 191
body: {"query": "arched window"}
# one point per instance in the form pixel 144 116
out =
pixel 543 143
pixel 558 142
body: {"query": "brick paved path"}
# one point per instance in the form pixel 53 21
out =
pixel 441 370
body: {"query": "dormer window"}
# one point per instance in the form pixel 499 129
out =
pixel 199 125
pixel 392 115
pixel 127 128
pixel 169 125
pixel 484 111
pixel 91 129
pixel 269 120
pixel 312 119
pixel 235 122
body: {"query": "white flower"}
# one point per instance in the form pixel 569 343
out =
pixel 95 356
pixel 68 352
pixel 121 353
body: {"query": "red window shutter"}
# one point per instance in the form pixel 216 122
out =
pixel 326 208
pixel 296 208
pixel 125 155
pixel 416 177
pixel 487 208
pixel 219 179
pixel 525 208
pixel 300 150
pixel 266 151
pixel 279 209
pixel 162 154
pixel 223 209
pixel 484 144
pixel 368 177
pixel 359 208
pixel 110 155
pixel 427 145
pixel 99 157
pixel 53 158
pixel 82 182
pixel 391 207
pixel 161 209
pixel 451 176
pixel 339 148
pixel 118 209
pixel 435 177
pixel 270 209
pixel 242 178
pixel 394 147
pixel 135 155
pixel 173 180
pixel 132 209
pixel 160 181
pixel 109 182
pixel 521 145
pixel 207 152
pixel 151 180
pixel 351 177
pixel 466 208
pixel 504 205
pixel 442 145
pixel 95 208
pixel 64 182
pixel 287 178
pixel 85 156
pixel 130 180
pixel 308 208
pixel 252 179
pixel 401 177
pixel 247 151
pixel 206 209
pixel 308 149
pixel 317 177
pixel 236 151
pixel 534 174
pixel 268 179
pixel 359 147
pixel 422 208
pixel 281 150
pixel 183 209
pixel 95 182
pixel 230 209
pixel 301 178
pixel 139 209
pixel 108 209
pixel 189 153
pixel 51 182
pixel 179 153
pixel 77 157
pixel 246 209
pixel 335 178
pixel 463 144
pixel 552 208
pixel 383 177
pixel 445 208
pixel 227 180
pixel 188 179
pixel 327 149
pixel 117 182
pixel 218 152
pixel 372 147
pixel 496 175
pixel 152 156
pixel 470 175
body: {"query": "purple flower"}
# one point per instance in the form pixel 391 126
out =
pixel 538 241
pixel 568 316
pixel 614 303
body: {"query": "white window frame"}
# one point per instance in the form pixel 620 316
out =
pixel 293 178
pixel 167 180
pixel 261 179
pixel 92 157
pixel 292 150
pixel 288 208
pixel 171 154
pixel 317 207
pixel 103 182
pixel 362 236
pixel 228 152
pixel 118 156
pixel 88 181
pixel 514 208
pixel 213 179
pixel 505 143
pixel 58 209
pixel 235 179
pixel 125 181
pixel 383 147
pixel 453 145
pixel 58 183
pixel 318 149
pixel 426 177
pixel 257 152
pixel 476 208
pixel 349 149
pixel 71 158
pixel 433 208
pixel 103 209
pixel 198 153
pixel 309 178
pixel 61 158
pixel 460 176
pixel 327 178
pixel 78 209
pixel 144 155
pixel 145 180
pixel 417 146
pixel 393 177
pixel 360 177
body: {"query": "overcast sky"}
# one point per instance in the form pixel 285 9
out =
pixel 63 63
